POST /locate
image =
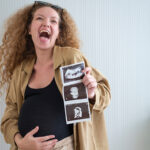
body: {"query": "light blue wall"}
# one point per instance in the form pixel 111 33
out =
pixel 116 40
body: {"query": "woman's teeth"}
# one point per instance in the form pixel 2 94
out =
pixel 44 33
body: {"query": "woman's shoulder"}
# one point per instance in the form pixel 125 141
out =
pixel 24 64
pixel 69 50
pixel 70 53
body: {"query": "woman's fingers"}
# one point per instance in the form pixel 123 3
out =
pixel 90 82
pixel 88 79
pixel 45 138
pixel 49 143
pixel 46 143
pixel 92 85
pixel 87 70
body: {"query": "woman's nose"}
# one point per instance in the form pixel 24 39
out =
pixel 46 23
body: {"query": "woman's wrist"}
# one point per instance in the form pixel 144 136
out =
pixel 17 139
pixel 92 100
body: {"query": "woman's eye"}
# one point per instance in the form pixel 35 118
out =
pixel 53 21
pixel 39 18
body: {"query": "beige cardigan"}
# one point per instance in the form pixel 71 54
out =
pixel 89 135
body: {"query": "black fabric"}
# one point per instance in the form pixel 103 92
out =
pixel 44 108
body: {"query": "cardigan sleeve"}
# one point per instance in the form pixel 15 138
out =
pixel 9 122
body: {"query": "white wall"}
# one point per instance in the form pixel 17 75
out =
pixel 116 40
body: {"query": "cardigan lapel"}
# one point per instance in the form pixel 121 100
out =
pixel 28 64
pixel 57 58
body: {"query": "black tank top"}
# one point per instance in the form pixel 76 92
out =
pixel 44 108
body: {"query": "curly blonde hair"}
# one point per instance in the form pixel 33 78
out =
pixel 17 44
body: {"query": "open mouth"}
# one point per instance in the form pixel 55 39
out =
pixel 45 34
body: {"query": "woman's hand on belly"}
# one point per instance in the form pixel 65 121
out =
pixel 35 143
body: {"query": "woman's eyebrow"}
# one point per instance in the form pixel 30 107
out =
pixel 53 17
pixel 39 15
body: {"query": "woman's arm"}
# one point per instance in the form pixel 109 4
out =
pixel 9 122
pixel 102 94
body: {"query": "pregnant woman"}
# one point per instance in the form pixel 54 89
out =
pixel 39 39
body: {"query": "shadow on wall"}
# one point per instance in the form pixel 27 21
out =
pixel 143 135
pixel 133 135
pixel 139 136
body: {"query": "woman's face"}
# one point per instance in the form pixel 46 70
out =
pixel 44 28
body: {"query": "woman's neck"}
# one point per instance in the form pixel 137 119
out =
pixel 44 57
